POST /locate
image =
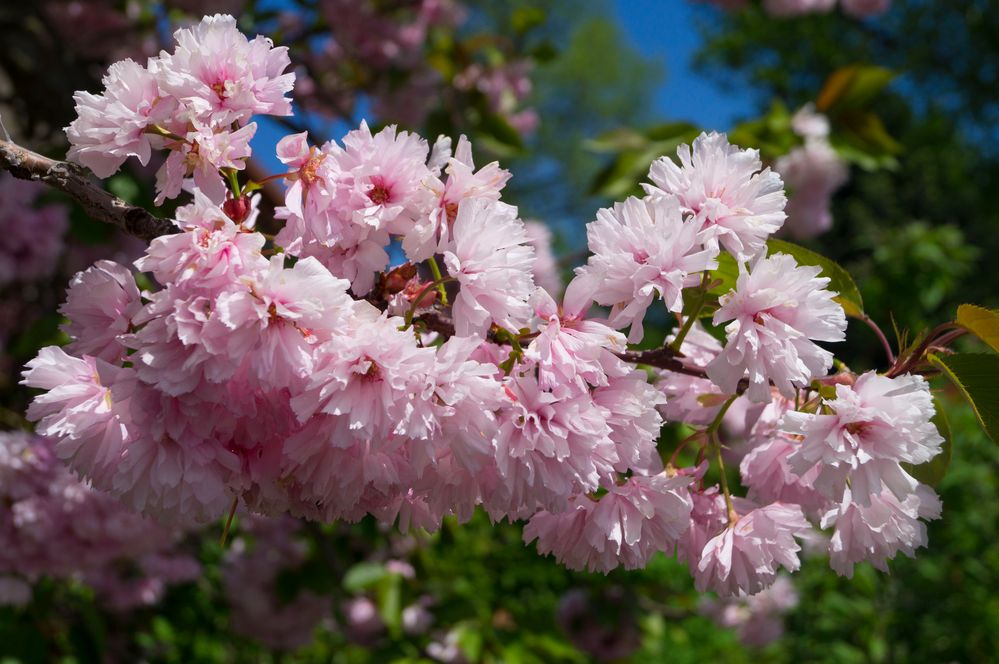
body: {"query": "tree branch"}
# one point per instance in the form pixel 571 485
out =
pixel 663 357
pixel 660 358
pixel 78 185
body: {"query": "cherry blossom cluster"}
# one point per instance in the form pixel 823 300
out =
pixel 812 172
pixel 31 232
pixel 307 373
pixel 389 41
pixel 250 571
pixel 757 619
pixel 600 622
pixel 55 526
pixel 856 8
pixel 194 102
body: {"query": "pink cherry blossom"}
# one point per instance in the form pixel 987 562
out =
pixel 491 260
pixel 809 123
pixel 744 557
pixel 77 411
pixel 384 178
pixel 370 379
pixel 100 304
pixel 643 250
pixel 313 175
pixel 776 309
pixel 813 172
pixel 463 181
pixel 221 77
pixel 865 8
pixel 211 255
pixel 630 405
pixel 571 352
pixel 288 375
pixel 202 153
pixel 111 127
pixel 169 469
pixel 31 235
pixel 548 448
pixel 873 426
pixel 278 317
pixel 797 7
pixel 876 532
pixel 625 527
pixel 324 471
pixel 767 473
pixel 733 201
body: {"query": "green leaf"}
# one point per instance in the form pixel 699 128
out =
pixel 526 18
pixel 635 152
pixel 725 275
pixel 496 127
pixel 840 280
pixel 670 131
pixel 43 332
pixel 363 575
pixel 389 596
pixel 933 471
pixel 975 375
pixel 852 87
pixel 982 322
pixel 470 641
pixel 770 133
pixel 621 176
pixel 863 133
pixel 125 188
pixel 617 140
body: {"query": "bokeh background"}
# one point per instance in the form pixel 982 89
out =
pixel 576 98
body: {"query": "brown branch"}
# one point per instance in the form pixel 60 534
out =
pixel 660 358
pixel 74 181
pixel 663 357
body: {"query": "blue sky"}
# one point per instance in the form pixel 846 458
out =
pixel 665 30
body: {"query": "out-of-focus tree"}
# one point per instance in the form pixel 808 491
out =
pixel 941 108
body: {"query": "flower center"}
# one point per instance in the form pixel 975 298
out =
pixel 451 210
pixel 219 90
pixel 309 172
pixel 379 193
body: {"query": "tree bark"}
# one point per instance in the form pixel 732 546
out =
pixel 76 183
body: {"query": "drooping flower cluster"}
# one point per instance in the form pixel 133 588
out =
pixel 305 373
pixel 757 619
pixel 52 525
pixel 602 623
pixel 250 571
pixel 856 452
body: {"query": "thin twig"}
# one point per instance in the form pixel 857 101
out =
pixel 881 336
pixel 228 522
